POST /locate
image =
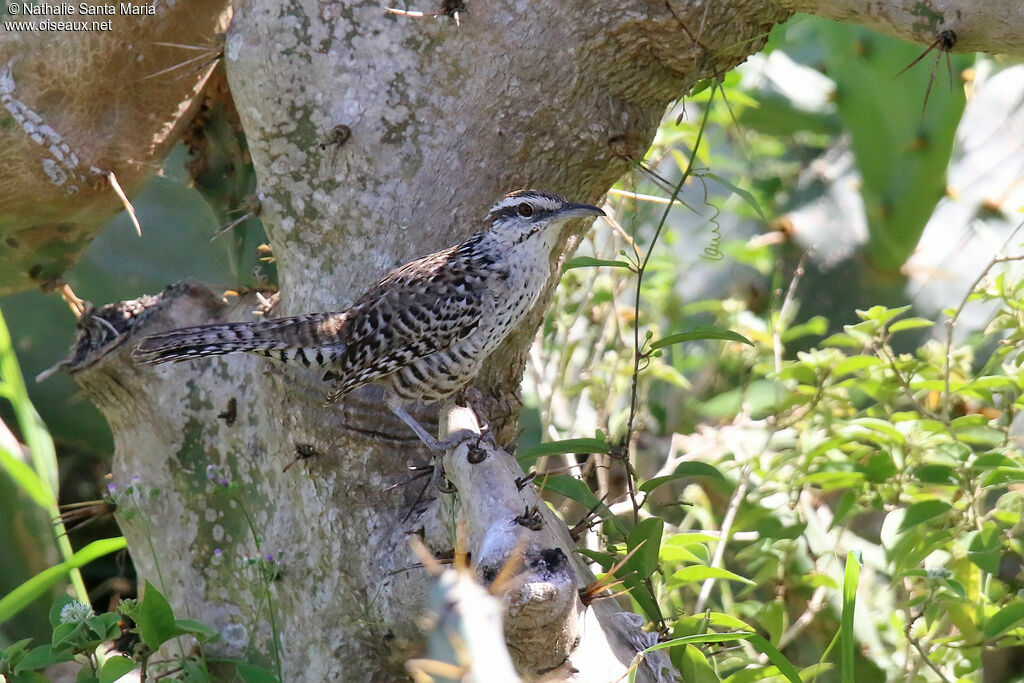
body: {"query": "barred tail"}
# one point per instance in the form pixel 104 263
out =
pixel 307 339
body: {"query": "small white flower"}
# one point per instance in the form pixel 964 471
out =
pixel 75 612
pixel 235 636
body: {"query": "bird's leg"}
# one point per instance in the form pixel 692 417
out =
pixel 437 447
pixel 398 408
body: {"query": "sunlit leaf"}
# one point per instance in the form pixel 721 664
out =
pixel 115 667
pixel 851 577
pixel 1005 619
pixel 33 588
pixel 690 468
pixel 919 513
pixel 645 561
pixel 739 191
pixel 698 573
pixel 576 490
pixel 590 262
pixel 250 673
pixel 700 332
pixel 585 445
pixel 155 619
pixel 911 324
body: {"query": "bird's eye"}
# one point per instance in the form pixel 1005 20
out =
pixel 524 210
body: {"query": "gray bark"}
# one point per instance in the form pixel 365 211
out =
pixel 991 26
pixel 444 119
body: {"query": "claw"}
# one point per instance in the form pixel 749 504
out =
pixel 438 478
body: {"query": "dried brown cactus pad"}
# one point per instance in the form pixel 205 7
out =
pixel 77 106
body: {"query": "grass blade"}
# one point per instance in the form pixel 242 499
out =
pixel 850 579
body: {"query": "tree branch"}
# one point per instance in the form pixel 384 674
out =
pixel 994 26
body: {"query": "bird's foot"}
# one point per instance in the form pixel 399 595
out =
pixel 438 478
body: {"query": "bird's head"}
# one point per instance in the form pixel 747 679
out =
pixel 527 214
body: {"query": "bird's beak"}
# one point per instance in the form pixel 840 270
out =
pixel 578 211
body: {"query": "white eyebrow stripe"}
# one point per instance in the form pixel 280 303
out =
pixel 542 202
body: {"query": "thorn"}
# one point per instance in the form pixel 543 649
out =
pixel 303 451
pixel 521 482
pixel 252 207
pixel 945 42
pixel 211 54
pixel 112 179
pixel 531 519
pixel 230 413
pixel 78 306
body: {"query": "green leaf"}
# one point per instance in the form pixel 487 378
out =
pixel 910 324
pixel 993 459
pixel 855 363
pixel 85 676
pixel 698 573
pixel 1005 619
pixel 743 194
pixel 700 332
pixel 591 445
pixel 851 577
pixel 990 383
pixel 66 636
pixel 605 560
pixel 846 340
pixel 251 673
pixel 936 474
pixel 576 490
pixel 26 479
pixel 701 638
pixel 116 667
pixel 721 620
pixel 922 512
pixel 981 436
pixel 105 626
pixel 834 479
pixel 769 650
pixel 844 507
pixel 694 666
pixel 641 594
pixel 691 468
pixel 645 560
pixel 882 314
pixel 877 430
pixel 155 619
pixel 589 261
pixel 44 656
pixel 816 326
pixel 880 468
pixel 23 595
pixel 197 629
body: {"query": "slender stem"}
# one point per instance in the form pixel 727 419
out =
pixel 638 353
pixel 275 636
pixel 727 522
pixel 951 322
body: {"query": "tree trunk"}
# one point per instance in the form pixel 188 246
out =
pixel 445 118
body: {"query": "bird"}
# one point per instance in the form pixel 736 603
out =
pixel 422 331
